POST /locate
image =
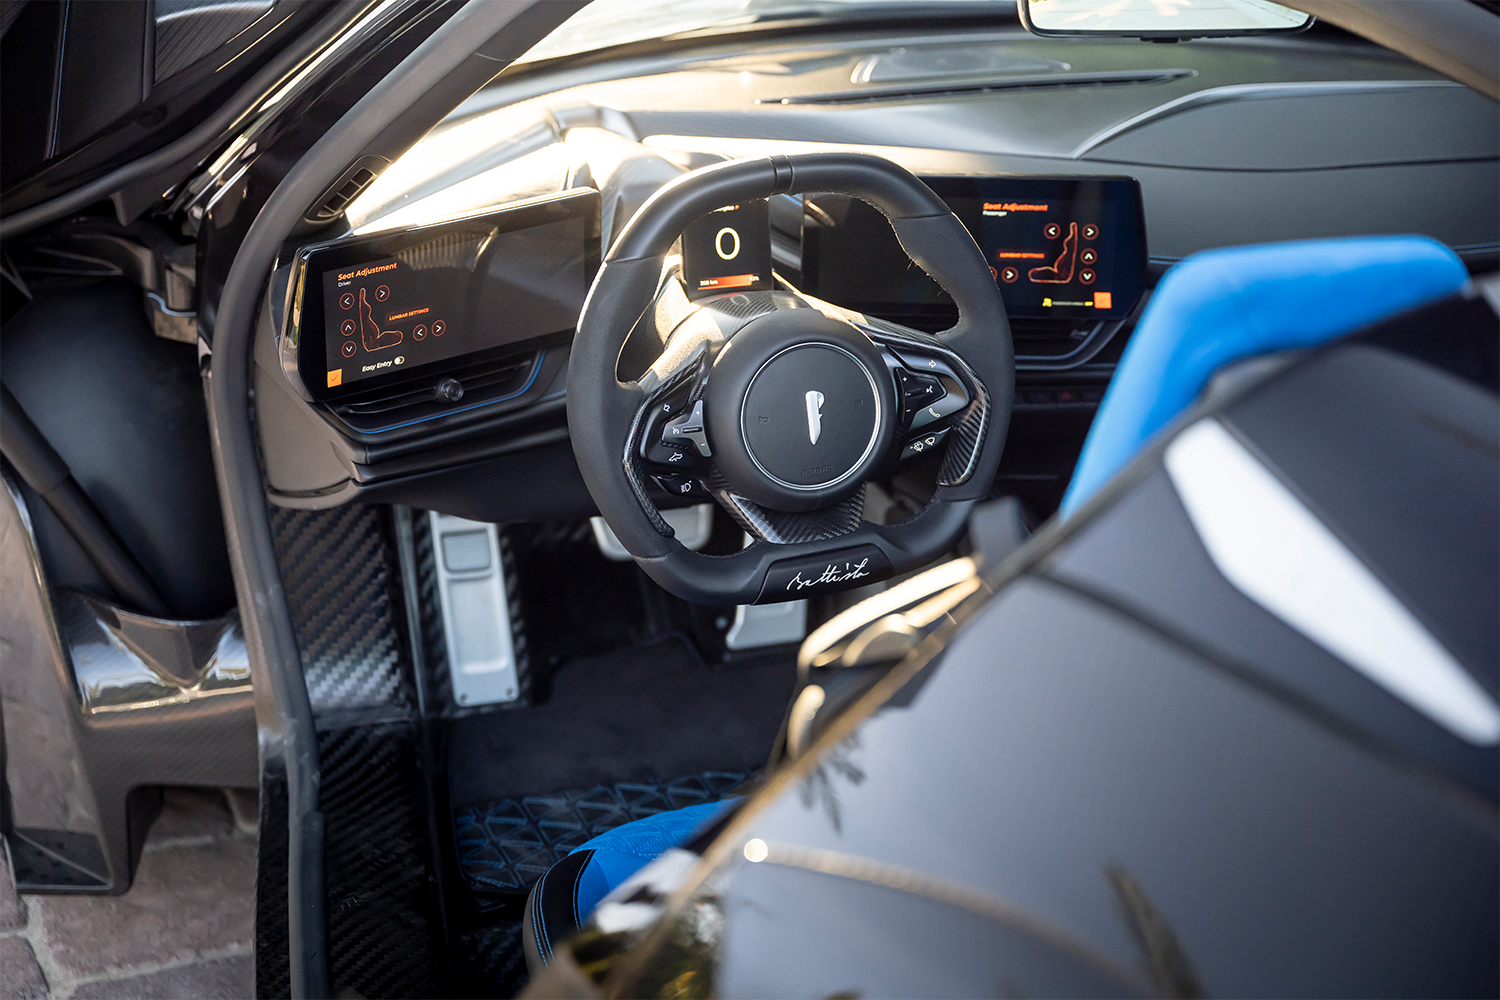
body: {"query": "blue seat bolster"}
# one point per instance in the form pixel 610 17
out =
pixel 625 850
pixel 1223 305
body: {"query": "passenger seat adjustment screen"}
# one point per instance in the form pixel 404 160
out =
pixel 1064 248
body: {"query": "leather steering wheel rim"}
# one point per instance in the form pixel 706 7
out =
pixel 603 411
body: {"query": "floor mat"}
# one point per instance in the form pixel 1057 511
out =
pixel 507 845
pixel 639 715
pixel 624 735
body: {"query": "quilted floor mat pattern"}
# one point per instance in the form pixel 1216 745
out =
pixel 508 844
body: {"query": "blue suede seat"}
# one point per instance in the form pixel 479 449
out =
pixel 1212 309
pixel 1221 306
pixel 563 898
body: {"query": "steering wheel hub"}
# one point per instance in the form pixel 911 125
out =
pixel 799 409
pixel 810 416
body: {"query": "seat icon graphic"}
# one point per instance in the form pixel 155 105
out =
pixel 1060 271
pixel 370 333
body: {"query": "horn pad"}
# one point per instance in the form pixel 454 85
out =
pixel 800 410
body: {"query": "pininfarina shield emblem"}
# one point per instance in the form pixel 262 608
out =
pixel 814 415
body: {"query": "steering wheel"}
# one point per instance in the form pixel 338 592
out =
pixel 781 406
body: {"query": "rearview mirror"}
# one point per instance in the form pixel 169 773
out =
pixel 1167 19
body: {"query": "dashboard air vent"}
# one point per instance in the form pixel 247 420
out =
pixel 1050 345
pixel 475 384
pixel 344 190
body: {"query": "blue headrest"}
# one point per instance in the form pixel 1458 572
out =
pixel 1222 305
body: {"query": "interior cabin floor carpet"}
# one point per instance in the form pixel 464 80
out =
pixel 624 735
pixel 505 846
pixel 651 713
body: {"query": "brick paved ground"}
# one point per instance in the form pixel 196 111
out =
pixel 183 929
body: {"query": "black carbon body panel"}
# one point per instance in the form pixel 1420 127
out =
pixel 1146 559
pixel 273 975
pixel 1154 737
pixel 495 960
pixel 1418 527
pixel 1403 470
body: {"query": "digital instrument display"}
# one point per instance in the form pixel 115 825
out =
pixel 420 301
pixel 728 250
pixel 1066 248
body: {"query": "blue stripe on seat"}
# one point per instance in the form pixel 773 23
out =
pixel 1223 305
pixel 625 850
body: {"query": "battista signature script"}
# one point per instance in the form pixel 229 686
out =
pixel 831 574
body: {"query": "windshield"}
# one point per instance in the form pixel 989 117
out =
pixel 606 23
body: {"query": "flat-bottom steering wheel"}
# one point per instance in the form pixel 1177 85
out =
pixel 779 405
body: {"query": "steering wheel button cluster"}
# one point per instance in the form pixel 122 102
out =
pixel 918 389
pixel 921 444
pixel 678 485
pixel 676 456
pixel 947 406
pixel 687 430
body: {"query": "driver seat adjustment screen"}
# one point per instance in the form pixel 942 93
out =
pixel 376 309
pixel 416 303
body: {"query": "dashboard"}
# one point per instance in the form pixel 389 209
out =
pixel 421 355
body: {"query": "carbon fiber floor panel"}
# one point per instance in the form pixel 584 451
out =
pixel 383 921
pixel 508 844
pixel 336 568
pixel 385 934
pixel 495 961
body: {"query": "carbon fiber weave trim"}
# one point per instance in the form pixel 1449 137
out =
pixel 788 528
pixel 384 928
pixel 508 845
pixel 964 445
pixel 495 960
pixel 747 305
pixel 184 39
pixel 337 568
pixel 273 974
